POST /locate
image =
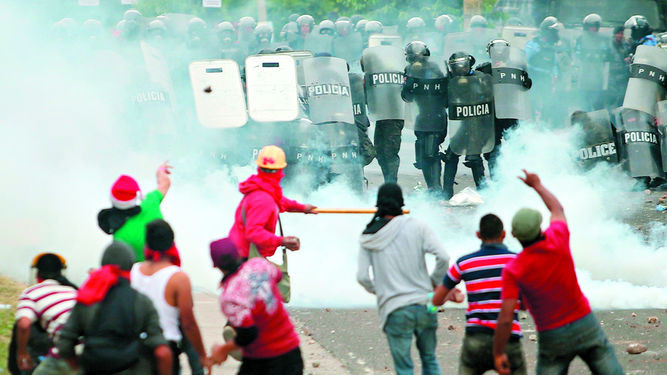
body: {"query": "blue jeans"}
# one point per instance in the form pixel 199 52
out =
pixel 583 338
pixel 400 326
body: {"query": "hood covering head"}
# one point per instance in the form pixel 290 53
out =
pixel 268 182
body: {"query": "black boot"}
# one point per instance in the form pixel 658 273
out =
pixel 432 170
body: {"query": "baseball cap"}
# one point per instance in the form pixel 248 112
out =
pixel 526 224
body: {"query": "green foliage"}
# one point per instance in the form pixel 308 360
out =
pixel 390 12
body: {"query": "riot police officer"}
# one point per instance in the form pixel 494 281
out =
pixel 197 35
pixel 425 88
pixel 246 31
pixel 263 37
pixel 371 27
pixel 305 23
pixel 640 32
pixel 591 52
pixel 227 44
pixel 470 112
pixel 414 29
pixel 543 67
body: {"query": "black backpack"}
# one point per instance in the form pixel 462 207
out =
pixel 113 344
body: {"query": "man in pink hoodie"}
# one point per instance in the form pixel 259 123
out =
pixel 257 214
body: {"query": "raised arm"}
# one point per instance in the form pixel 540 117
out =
pixel 163 180
pixel 550 200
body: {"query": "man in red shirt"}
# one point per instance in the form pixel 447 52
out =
pixel 543 274
pixel 251 301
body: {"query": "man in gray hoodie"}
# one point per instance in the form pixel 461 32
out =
pixel 394 246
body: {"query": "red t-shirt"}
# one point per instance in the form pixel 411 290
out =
pixel 249 298
pixel 543 274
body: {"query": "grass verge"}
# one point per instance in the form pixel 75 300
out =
pixel 10 291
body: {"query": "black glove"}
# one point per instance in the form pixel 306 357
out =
pixel 484 68
pixel 527 82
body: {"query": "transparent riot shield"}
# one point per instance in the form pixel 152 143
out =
pixel 662 131
pixel 648 79
pixel 377 40
pixel 383 80
pixel 598 142
pixel 638 139
pixel 511 97
pixel 471 126
pixel 328 91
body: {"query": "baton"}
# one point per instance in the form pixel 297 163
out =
pixel 350 211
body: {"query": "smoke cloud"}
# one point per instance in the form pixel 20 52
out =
pixel 67 137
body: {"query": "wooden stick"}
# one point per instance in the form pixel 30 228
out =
pixel 350 211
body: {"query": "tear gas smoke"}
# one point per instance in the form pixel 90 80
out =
pixel 66 138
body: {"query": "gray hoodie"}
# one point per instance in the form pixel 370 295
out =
pixel 396 254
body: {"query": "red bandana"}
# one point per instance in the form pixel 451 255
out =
pixel 171 254
pixel 98 284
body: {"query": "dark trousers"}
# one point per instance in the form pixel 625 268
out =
pixel 387 145
pixel 289 363
pixel 501 126
pixel 477 355
pixel 175 351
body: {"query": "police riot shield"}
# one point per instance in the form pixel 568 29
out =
pixel 383 80
pixel 425 91
pixel 518 36
pixel 328 90
pixel 662 131
pixel 298 56
pixel 348 47
pixel 591 68
pixel 271 86
pixel 510 96
pixel 377 40
pixel 318 43
pixel 638 139
pixel 598 139
pixel 471 126
pixel 648 79
pixel 358 99
pixel 218 93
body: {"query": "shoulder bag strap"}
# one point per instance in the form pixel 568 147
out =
pixel 280 226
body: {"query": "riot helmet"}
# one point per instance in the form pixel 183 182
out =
pixel 196 32
pixel 373 27
pixel 500 45
pixel 416 52
pixel 132 25
pixel 444 23
pixel 415 25
pixel 478 21
pixel 549 29
pixel 225 32
pixel 343 19
pixel 292 17
pixel 157 30
pixel 327 27
pixel 263 33
pixel 361 26
pixel 305 23
pixel 92 29
pixel 514 21
pixel 246 27
pixel 290 32
pixel 460 64
pixel 592 23
pixel 343 27
pixel 639 27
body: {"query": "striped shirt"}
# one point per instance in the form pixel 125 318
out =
pixel 482 273
pixel 49 302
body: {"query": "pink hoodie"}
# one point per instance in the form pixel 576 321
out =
pixel 262 200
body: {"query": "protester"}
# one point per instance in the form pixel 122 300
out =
pixel 127 218
pixel 169 289
pixel 394 245
pixel 251 301
pixel 47 305
pixel 481 271
pixel 119 326
pixel 543 274
pixel 257 214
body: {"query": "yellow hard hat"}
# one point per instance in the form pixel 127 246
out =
pixel 271 157
pixel 36 259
